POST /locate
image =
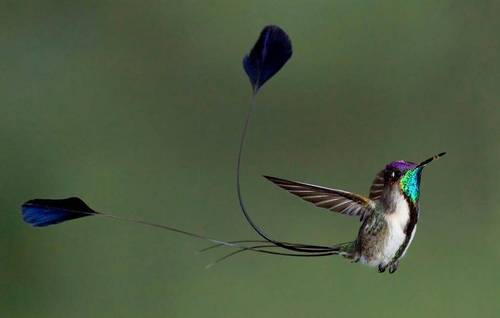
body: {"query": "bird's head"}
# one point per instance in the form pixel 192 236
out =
pixel 401 174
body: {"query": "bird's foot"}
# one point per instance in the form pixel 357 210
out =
pixel 381 268
pixel 393 267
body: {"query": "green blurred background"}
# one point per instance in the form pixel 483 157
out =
pixel 137 107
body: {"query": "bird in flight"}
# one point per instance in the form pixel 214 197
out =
pixel 389 215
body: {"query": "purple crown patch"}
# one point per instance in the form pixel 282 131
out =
pixel 400 165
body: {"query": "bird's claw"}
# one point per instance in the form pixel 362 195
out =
pixel 393 267
pixel 381 268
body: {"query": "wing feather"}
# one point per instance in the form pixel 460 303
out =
pixel 339 201
pixel 377 186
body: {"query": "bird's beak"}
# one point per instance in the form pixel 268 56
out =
pixel 426 162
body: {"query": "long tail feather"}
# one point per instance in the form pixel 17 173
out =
pixel 232 242
pixel 267 57
pixel 258 248
pixel 44 212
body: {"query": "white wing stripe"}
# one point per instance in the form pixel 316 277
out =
pixel 340 204
pixel 314 196
pixel 302 191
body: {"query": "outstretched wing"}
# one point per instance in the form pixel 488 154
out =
pixel 340 201
pixel 377 186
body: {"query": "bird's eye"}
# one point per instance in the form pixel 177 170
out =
pixel 395 175
pixel 392 175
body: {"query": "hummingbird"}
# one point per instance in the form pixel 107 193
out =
pixel 389 214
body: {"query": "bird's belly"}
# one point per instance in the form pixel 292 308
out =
pixel 384 252
pixel 386 248
pixel 393 242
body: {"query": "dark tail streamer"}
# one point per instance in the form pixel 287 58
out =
pixel 45 212
pixel 297 247
pixel 269 54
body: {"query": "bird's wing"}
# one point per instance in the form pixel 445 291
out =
pixel 340 201
pixel 377 186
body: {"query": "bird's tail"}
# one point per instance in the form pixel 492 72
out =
pixel 345 249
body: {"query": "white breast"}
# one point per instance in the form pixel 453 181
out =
pixel 396 221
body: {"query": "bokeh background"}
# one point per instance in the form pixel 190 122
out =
pixel 137 107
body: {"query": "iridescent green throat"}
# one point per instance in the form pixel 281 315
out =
pixel 410 184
